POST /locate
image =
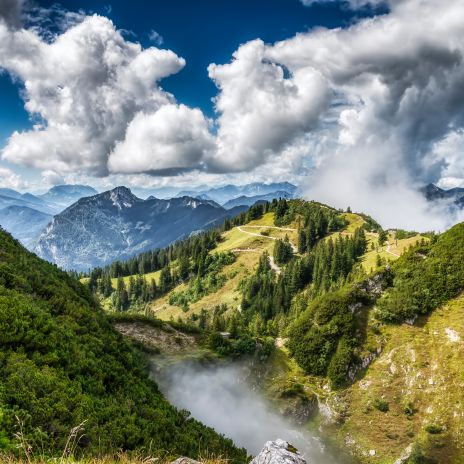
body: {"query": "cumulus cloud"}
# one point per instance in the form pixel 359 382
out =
pixel 380 101
pixel 84 88
pixel 173 138
pixel 10 179
pixel 396 91
pixel 262 108
pixel 448 153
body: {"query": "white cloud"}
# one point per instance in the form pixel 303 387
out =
pixel 374 109
pixel 156 37
pixel 173 138
pixel 448 154
pixel 10 179
pixel 396 89
pixel 86 87
pixel 261 109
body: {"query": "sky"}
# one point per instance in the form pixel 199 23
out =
pixel 358 102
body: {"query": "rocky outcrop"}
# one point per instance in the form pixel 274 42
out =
pixel 278 452
pixel 184 460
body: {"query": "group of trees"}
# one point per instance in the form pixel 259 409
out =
pixel 177 263
pixel 425 277
pixel 138 290
pixel 283 251
pixel 327 265
pixel 202 272
pixel 315 220
pixel 206 280
pixel 159 258
pixel 334 259
pixel 322 339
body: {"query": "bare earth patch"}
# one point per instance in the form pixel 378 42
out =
pixel 167 339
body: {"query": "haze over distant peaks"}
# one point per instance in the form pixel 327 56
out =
pixel 229 192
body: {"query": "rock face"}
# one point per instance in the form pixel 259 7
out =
pixel 278 452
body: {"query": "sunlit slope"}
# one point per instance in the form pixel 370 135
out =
pixel 419 378
pixel 390 251
pixel 249 241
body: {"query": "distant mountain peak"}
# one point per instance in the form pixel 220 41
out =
pixel 117 224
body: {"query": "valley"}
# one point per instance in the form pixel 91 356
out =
pixel 343 416
pixel 296 302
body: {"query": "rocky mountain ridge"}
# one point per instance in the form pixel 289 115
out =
pixel 117 224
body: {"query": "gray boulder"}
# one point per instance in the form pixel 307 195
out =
pixel 184 460
pixel 278 452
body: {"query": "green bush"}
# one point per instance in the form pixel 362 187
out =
pixel 434 429
pixel 322 335
pixel 381 405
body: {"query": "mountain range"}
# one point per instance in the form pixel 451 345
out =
pixel 117 224
pixel 76 234
pixel 226 193
pixel 249 201
pixel 25 215
pixel 434 193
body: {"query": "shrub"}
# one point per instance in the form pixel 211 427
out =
pixel 434 429
pixel 381 405
pixel 323 335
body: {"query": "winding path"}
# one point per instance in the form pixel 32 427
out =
pixel 294 248
pixel 272 262
pixel 388 250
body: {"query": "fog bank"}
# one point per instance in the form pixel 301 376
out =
pixel 219 397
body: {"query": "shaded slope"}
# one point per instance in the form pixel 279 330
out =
pixel 62 364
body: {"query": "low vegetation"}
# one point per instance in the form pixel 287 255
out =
pixel 63 365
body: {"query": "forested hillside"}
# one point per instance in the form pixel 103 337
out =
pixel 62 365
pixel 328 298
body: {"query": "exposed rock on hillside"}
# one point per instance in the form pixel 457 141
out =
pixel 278 452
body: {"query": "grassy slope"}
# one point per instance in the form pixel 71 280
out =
pixel 245 263
pixel 389 253
pixel 421 366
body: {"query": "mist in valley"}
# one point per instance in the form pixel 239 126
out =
pixel 220 397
